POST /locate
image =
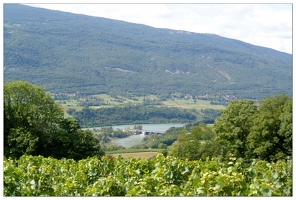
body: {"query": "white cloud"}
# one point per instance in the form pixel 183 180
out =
pixel 268 25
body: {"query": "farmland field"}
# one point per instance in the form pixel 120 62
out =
pixel 123 151
pixel 136 155
pixel 121 101
pixel 190 104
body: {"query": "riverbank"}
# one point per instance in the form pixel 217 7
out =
pixel 137 139
pixel 145 127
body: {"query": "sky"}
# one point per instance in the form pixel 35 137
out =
pixel 263 24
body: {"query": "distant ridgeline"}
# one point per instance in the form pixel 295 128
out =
pixel 74 53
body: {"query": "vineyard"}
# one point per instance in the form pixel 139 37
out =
pixel 159 176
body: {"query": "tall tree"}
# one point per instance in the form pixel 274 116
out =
pixel 35 125
pixel 271 136
pixel 28 112
pixel 286 127
pixel 232 128
pixel 190 145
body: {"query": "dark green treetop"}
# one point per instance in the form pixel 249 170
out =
pixel 35 125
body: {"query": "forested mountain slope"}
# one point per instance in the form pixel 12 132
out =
pixel 66 52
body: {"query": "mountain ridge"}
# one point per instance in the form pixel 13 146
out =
pixel 67 52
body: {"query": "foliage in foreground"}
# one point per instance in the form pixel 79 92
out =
pixel 34 125
pixel 244 129
pixel 160 176
pixel 261 132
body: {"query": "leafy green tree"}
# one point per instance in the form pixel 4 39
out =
pixel 84 145
pixel 271 136
pixel 190 145
pixel 35 125
pixel 232 128
pixel 208 149
pixel 163 140
pixel 28 112
pixel 201 132
pixel 69 141
pixel 20 141
pixel 286 126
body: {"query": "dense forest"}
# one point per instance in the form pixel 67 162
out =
pixel 137 114
pixel 70 53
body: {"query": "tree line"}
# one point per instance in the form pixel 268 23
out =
pixel 244 130
pixel 130 114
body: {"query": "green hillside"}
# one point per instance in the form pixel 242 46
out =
pixel 74 53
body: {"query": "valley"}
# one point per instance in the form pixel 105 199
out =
pixel 106 101
pixel 106 110
pixel 102 107
pixel 130 142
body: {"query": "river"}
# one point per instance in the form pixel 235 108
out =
pixel 137 139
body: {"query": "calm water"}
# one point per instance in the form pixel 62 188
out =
pixel 128 141
pixel 137 139
pixel 145 127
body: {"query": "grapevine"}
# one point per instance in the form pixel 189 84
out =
pixel 159 176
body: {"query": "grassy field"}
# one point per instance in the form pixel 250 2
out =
pixel 121 101
pixel 190 104
pixel 180 103
pixel 135 153
pixel 122 151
